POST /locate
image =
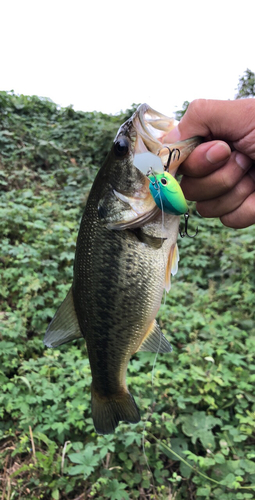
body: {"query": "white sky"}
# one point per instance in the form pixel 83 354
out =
pixel 107 54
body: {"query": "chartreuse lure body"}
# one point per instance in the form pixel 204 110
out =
pixel 167 194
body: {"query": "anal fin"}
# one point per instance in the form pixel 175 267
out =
pixel 155 341
pixel 64 327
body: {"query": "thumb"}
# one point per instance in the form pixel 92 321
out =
pixel 229 120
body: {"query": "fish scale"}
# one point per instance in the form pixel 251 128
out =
pixel 124 257
pixel 126 299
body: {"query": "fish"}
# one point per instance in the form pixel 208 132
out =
pixel 124 259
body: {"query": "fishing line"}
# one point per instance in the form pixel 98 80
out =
pixel 158 350
pixel 148 416
pixel 157 187
pixel 156 182
pixel 164 267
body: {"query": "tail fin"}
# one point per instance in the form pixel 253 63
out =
pixel 107 413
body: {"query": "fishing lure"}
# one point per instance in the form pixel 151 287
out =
pixel 164 188
pixel 167 194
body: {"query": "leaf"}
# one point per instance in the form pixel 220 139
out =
pixel 178 445
pixel 203 492
pixel 86 459
pixel 208 315
pixel 116 490
pixel 229 480
pixel 80 469
pixel 199 426
pixel 26 382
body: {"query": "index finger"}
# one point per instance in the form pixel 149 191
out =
pixel 205 158
pixel 229 120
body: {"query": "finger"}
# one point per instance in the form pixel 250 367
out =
pixel 229 202
pixel 206 158
pixel 230 120
pixel 243 216
pixel 219 182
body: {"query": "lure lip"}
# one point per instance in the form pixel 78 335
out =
pixel 146 162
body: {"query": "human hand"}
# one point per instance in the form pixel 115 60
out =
pixel 220 173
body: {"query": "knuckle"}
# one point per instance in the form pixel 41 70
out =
pixel 196 106
pixel 204 209
pixel 227 181
pixel 245 187
pixel 231 174
pixel 198 112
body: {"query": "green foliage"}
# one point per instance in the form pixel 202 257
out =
pixel 246 85
pixel 196 438
pixel 179 114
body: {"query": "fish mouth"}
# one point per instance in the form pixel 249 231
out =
pixel 151 128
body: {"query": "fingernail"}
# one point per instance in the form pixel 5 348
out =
pixel 217 153
pixel 173 136
pixel 243 161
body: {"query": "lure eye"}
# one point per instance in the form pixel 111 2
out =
pixel 121 147
pixel 163 181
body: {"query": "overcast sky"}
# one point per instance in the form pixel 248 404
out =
pixel 105 55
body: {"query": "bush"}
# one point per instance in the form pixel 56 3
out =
pixel 196 437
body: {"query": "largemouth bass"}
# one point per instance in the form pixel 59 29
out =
pixel 124 259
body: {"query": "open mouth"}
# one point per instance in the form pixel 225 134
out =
pixel 150 152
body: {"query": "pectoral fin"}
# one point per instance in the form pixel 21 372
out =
pixel 155 341
pixel 172 266
pixel 133 220
pixel 64 327
pixel 151 241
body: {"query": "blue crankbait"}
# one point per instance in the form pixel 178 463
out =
pixel 167 194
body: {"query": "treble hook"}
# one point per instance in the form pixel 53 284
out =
pixel 185 233
pixel 171 153
pixel 150 172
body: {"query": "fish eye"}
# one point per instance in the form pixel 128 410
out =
pixel 121 147
pixel 163 181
